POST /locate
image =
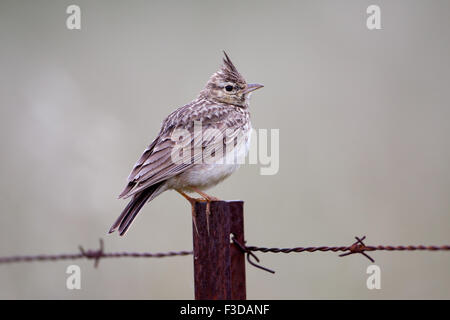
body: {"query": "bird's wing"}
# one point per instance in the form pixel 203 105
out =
pixel 180 145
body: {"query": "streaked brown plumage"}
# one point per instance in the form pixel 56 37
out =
pixel 217 107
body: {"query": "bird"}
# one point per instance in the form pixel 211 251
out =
pixel 177 157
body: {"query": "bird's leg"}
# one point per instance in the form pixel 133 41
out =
pixel 192 201
pixel 208 199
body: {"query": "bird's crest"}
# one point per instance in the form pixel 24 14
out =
pixel 229 72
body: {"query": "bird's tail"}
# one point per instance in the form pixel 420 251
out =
pixel 130 212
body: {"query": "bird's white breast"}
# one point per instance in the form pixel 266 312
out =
pixel 204 176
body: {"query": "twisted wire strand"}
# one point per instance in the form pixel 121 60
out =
pixel 91 255
pixel 349 248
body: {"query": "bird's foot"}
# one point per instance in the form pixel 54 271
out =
pixel 206 198
pixel 192 201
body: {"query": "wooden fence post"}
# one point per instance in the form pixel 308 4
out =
pixel 219 265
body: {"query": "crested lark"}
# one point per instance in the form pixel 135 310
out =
pixel 177 158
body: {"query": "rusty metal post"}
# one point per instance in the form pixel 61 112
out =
pixel 219 265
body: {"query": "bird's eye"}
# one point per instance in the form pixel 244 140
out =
pixel 229 88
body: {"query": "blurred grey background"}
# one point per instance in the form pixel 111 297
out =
pixel 364 141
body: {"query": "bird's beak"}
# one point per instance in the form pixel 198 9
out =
pixel 252 87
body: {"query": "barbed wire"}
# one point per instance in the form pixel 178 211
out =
pixel 96 255
pixel 356 247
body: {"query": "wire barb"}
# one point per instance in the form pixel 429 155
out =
pixel 93 254
pixel 250 254
pixel 358 247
